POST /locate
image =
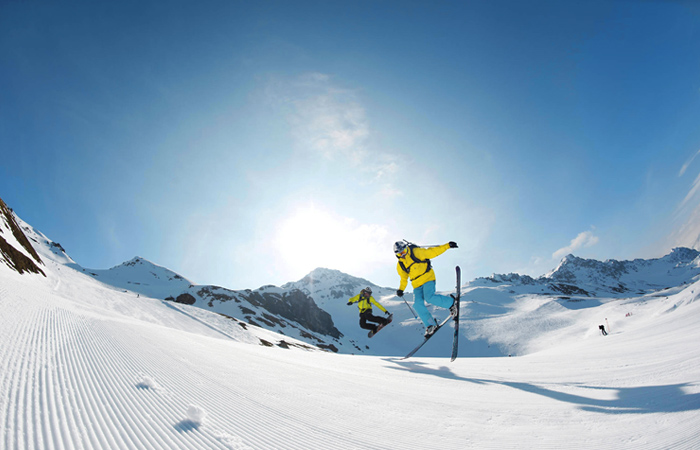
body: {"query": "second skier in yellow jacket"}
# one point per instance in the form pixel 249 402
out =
pixel 364 302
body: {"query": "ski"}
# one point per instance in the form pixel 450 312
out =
pixel 440 325
pixel 455 339
pixel 426 339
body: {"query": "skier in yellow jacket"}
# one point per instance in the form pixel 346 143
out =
pixel 364 302
pixel 414 264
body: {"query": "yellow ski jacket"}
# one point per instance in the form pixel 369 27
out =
pixel 417 267
pixel 365 304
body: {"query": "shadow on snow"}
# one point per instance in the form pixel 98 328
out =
pixel 187 425
pixel 630 400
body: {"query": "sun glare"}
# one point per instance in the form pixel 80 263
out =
pixel 309 238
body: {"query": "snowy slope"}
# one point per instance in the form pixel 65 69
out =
pixel 313 309
pixel 142 276
pixel 86 366
pixel 289 312
pixel 265 307
pixel 89 365
pixel 565 305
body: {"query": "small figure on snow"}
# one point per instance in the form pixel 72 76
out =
pixel 602 330
pixel 414 263
pixel 364 302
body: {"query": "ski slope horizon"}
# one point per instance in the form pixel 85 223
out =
pixel 488 302
pixel 87 365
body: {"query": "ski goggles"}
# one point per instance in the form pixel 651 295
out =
pixel 402 253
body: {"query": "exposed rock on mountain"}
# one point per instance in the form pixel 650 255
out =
pixel 186 299
pixel 314 309
pixel 588 277
pixel 293 305
pixel 14 245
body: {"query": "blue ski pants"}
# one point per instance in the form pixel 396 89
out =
pixel 426 293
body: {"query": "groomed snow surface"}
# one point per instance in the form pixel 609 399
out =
pixel 85 366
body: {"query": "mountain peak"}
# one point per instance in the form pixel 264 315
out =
pixel 570 258
pixel 140 275
pixel 683 254
pixel 325 276
pixel 136 260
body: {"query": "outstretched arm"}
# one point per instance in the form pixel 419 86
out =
pixel 374 302
pixel 432 252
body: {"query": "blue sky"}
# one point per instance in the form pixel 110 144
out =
pixel 247 143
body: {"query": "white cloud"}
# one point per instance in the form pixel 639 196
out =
pixel 688 163
pixel 331 121
pixel 688 234
pixel 583 240
pixel 691 194
pixel 326 119
pixel 688 214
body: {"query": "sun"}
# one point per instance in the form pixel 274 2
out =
pixel 311 237
pixel 309 234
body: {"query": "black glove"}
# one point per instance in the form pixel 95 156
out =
pixel 453 244
pixel 349 303
pixel 387 313
pixel 399 293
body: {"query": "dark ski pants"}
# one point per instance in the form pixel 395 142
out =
pixel 367 316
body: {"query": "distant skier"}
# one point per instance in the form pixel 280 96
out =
pixel 364 302
pixel 414 263
pixel 602 330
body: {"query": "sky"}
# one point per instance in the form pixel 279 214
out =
pixel 246 143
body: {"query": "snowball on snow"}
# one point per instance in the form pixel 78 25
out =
pixel 196 414
pixel 148 383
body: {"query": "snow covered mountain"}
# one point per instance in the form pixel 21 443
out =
pixel 285 311
pixel 314 310
pixel 593 278
pixel 86 364
pixel 133 278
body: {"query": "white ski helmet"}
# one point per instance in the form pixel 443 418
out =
pixel 399 247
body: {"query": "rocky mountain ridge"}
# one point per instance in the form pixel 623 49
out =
pixel 281 310
pixel 15 249
pixel 314 310
pixel 593 278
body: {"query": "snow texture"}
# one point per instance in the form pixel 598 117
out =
pixel 85 365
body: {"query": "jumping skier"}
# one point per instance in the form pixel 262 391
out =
pixel 414 263
pixel 364 302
